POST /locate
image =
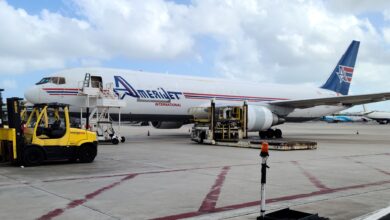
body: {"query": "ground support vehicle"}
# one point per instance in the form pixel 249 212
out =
pixel 45 136
pixel 225 123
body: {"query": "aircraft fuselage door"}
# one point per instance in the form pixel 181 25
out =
pixel 96 82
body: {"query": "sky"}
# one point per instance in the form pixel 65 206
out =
pixel 289 42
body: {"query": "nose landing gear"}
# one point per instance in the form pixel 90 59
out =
pixel 271 133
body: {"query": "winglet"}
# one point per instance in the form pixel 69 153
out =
pixel 341 77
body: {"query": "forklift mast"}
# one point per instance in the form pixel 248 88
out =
pixel 14 121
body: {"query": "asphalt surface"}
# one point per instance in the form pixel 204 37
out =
pixel 166 176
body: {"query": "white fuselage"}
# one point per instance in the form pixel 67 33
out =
pixel 379 116
pixel 157 96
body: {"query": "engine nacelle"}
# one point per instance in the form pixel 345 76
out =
pixel 261 118
pixel 166 124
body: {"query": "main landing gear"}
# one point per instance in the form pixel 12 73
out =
pixel 270 133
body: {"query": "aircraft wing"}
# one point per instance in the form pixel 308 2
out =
pixel 349 100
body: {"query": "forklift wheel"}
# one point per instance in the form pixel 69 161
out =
pixel 123 139
pixel 87 153
pixel 33 156
pixel 202 136
pixel 115 141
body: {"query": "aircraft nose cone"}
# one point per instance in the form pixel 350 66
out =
pixel 32 94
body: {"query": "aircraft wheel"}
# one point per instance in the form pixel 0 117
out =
pixel 87 153
pixel 278 133
pixel 123 139
pixel 72 159
pixel 33 156
pixel 262 134
pixel 115 141
pixel 270 133
pixel 202 136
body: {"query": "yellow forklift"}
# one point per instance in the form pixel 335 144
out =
pixel 45 136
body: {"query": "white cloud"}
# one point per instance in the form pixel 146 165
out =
pixel 47 40
pixel 8 84
pixel 386 14
pixel 284 41
pixel 357 6
pixel 137 29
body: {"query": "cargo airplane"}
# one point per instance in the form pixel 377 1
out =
pixel 165 99
pixel 380 116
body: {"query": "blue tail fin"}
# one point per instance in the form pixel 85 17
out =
pixel 341 77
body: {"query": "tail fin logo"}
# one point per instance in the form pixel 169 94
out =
pixel 345 74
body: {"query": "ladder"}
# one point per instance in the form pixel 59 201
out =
pixel 96 115
pixel 87 79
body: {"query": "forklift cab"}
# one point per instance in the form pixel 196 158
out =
pixel 48 125
pixel 46 135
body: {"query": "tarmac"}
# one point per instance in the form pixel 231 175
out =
pixel 166 176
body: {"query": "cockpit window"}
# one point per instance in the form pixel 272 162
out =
pixel 54 80
pixel 61 80
pixel 43 81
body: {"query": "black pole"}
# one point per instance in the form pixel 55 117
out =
pixel 213 118
pixel 264 156
pixel 246 118
pixel 87 119
pixel 1 109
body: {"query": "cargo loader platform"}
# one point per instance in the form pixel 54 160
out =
pixel 280 145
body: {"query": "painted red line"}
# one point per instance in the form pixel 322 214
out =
pixel 8 184
pixel 139 173
pixel 57 212
pixel 212 197
pixel 278 199
pixel 375 168
pixel 175 170
pixel 366 155
pixel 316 182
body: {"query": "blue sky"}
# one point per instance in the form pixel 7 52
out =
pixel 235 39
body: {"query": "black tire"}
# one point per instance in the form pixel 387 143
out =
pixel 202 136
pixel 87 153
pixel 123 139
pixel 278 133
pixel 115 141
pixel 262 134
pixel 270 133
pixel 72 159
pixel 33 156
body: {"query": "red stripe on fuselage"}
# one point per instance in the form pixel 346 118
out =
pixel 68 89
pixel 230 96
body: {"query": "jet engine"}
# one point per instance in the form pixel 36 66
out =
pixel 166 124
pixel 261 118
